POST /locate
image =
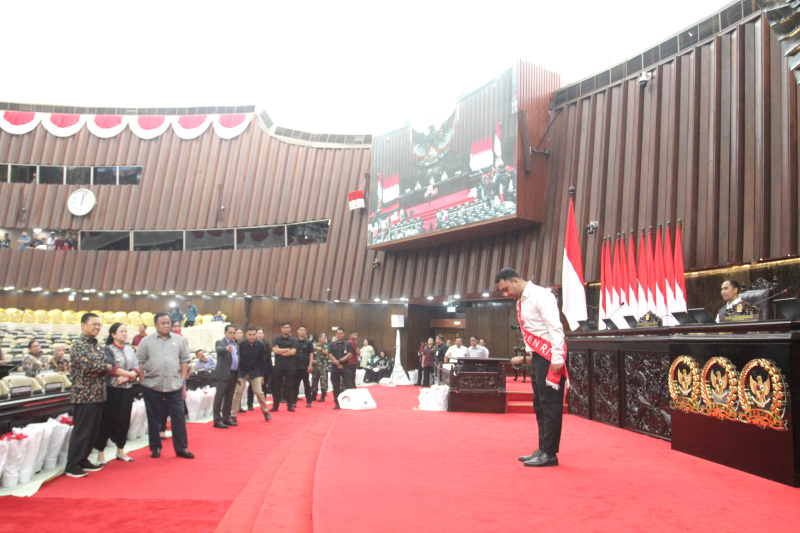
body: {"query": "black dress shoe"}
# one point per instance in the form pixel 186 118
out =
pixel 220 425
pixel 186 454
pixel 322 399
pixel 267 416
pixel 545 459
pixel 242 410
pixel 291 409
pixel 308 404
pixel 155 454
pixel 336 407
pixel 534 455
pixel 231 422
pixel 294 404
pixel 249 407
pixel 275 408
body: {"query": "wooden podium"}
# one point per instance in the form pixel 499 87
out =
pixel 477 385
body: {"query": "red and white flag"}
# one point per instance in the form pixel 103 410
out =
pixel 669 273
pixel 498 150
pixel 356 200
pixel 641 268
pixel 602 311
pixel 680 282
pixel 661 279
pixel 633 280
pixel 573 292
pixel 391 189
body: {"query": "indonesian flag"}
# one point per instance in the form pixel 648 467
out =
pixel 620 309
pixel 610 305
pixel 651 273
pixel 498 152
pixel 680 283
pixel 602 305
pixel 616 282
pixel 573 292
pixel 391 189
pixel 633 280
pixel 356 200
pixel 661 279
pixel 642 270
pixel 669 273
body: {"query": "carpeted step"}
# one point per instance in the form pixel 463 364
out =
pixel 519 407
pixel 519 396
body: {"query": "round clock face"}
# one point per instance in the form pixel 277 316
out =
pixel 81 202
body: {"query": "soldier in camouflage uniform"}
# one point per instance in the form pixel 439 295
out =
pixel 319 364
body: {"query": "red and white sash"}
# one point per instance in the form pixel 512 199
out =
pixel 543 348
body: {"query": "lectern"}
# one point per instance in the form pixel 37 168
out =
pixel 477 385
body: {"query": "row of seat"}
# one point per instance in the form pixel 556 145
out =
pixel 57 316
pixel 13 386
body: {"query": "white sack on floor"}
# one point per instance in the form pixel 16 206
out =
pixel 360 373
pixel 17 446
pixel 208 400
pixel 62 455
pixel 3 455
pixel 412 377
pixel 58 432
pixel 138 426
pixel 434 398
pixel 194 403
pixel 356 400
pixel 34 432
pixel 387 382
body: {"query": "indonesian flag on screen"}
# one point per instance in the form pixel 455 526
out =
pixel 498 151
pixel 356 200
pixel 391 188
pixel 573 292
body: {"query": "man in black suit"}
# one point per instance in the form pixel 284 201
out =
pixel 284 346
pixel 252 353
pixel 225 375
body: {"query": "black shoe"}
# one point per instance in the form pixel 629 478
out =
pixel 308 404
pixel 90 467
pixel 155 454
pixel 336 407
pixel 322 399
pixel 249 407
pixel 534 455
pixel 242 410
pixel 545 459
pixel 76 472
pixel 294 404
pixel 274 408
pixel 186 454
pixel 230 422
pixel 267 416
pixel 221 425
pixel 291 409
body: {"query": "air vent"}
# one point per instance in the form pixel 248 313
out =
pixel 587 86
pixel 689 38
pixel 708 28
pixel 602 79
pixel 749 7
pixel 650 57
pixel 618 73
pixel 633 65
pixel 573 91
pixel 560 97
pixel 730 16
pixel 668 48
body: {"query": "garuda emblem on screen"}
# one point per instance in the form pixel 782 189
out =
pixel 429 148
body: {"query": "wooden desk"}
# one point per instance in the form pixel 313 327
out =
pixel 621 378
pixel 477 385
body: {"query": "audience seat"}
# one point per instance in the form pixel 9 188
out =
pixel 3 390
pixel 3 315
pixel 122 318
pixel 28 317
pixel 13 382
pixel 147 318
pixel 56 316
pixel 70 317
pixel 54 377
pixel 14 315
pixel 134 318
pixel 41 316
pixel 206 319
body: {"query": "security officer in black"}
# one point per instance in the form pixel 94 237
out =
pixel 284 346
pixel 340 352
pixel 302 360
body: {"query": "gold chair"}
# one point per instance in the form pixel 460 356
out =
pixel 3 315
pixel 147 318
pixel 134 318
pixel 53 377
pixel 29 317
pixel 56 316
pixel 122 318
pixel 42 317
pixel 14 314
pixel 13 382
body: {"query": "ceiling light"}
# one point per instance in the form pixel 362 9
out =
pixel 377 299
pixel 385 302
pixel 172 292
pixel 138 292
pixel 233 294
pixel 352 300
pixel 336 301
pixel 163 293
pixel 191 294
pixel 456 296
pixel 485 294
pixel 144 292
pixel 430 297
pixel 445 303
pixel 224 292
pixel 216 294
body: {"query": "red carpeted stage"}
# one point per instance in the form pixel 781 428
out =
pixel 400 469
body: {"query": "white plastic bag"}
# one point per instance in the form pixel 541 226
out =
pixel 360 373
pixel 194 403
pixel 62 455
pixel 3 455
pixel 434 398
pixel 387 382
pixel 47 432
pixel 412 376
pixel 138 426
pixel 34 434
pixel 356 400
pixel 208 400
pixel 17 447
pixel 58 433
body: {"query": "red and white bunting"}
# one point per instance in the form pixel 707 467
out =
pixel 62 125
pixel 190 127
pixel 149 126
pixel 19 122
pixel 231 126
pixel 106 126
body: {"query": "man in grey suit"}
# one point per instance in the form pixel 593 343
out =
pixel 224 376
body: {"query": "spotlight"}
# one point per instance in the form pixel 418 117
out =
pixel 456 296
pixel 485 294
pixel 377 300
pixel 385 301
pixel 430 297
pixel 352 300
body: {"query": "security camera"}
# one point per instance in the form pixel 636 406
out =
pixel 591 227
pixel 376 264
pixel 644 78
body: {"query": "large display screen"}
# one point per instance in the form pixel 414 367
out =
pixel 448 175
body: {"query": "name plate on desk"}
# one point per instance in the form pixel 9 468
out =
pixel 740 318
pixel 648 325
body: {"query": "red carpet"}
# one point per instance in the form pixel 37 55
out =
pixel 400 469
